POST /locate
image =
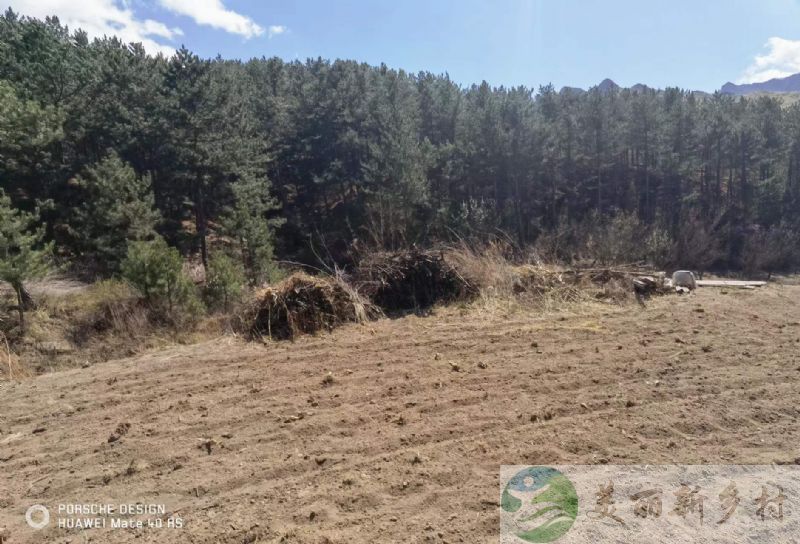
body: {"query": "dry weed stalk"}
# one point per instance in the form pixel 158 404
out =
pixel 15 369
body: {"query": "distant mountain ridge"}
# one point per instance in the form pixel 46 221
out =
pixel 788 84
pixel 607 86
pixel 785 85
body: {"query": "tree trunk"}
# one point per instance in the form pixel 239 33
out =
pixel 27 300
pixel 201 226
pixel 20 306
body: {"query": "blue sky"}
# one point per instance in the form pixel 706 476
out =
pixel 697 44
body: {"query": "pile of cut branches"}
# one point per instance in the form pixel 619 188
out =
pixel 411 280
pixel 303 304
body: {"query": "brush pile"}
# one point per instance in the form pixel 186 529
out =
pixel 536 280
pixel 601 283
pixel 602 276
pixel 303 304
pixel 415 280
pixel 411 281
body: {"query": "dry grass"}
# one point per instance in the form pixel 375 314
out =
pixel 487 268
pixel 12 369
pixel 506 287
pixel 363 310
pixel 107 308
pixel 104 321
pixel 109 320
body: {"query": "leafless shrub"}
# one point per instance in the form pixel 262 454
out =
pixel 768 251
pixel 695 247
pixel 618 239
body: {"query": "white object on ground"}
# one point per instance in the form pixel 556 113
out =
pixel 684 278
pixel 730 283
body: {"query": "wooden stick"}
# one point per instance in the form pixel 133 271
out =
pixel 729 283
pixel 8 353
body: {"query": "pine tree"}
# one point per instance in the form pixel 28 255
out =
pixel 224 282
pixel 211 134
pixel 352 148
pixel 156 270
pixel 186 127
pixel 27 131
pixel 117 207
pixel 394 169
pixel 23 253
pixel 247 221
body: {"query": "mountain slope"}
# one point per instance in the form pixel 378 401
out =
pixel 607 86
pixel 778 85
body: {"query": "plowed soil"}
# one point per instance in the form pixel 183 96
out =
pixel 395 431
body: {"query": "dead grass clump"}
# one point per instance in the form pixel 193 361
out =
pixel 615 290
pixel 504 285
pixel 487 269
pixel 492 275
pixel 125 317
pixel 10 366
pixel 537 280
pixel 110 308
pixel 304 304
pixel 411 280
pixel 601 276
pixel 611 285
pixel 584 284
pixel 546 288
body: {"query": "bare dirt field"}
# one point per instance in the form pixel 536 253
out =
pixel 251 443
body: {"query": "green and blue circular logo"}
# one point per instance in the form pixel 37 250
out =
pixel 541 502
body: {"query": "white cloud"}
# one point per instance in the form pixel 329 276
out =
pixel 214 14
pixel 156 28
pixel 276 30
pixel 781 59
pixel 102 18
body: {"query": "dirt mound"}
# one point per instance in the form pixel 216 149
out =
pixel 303 304
pixel 411 280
